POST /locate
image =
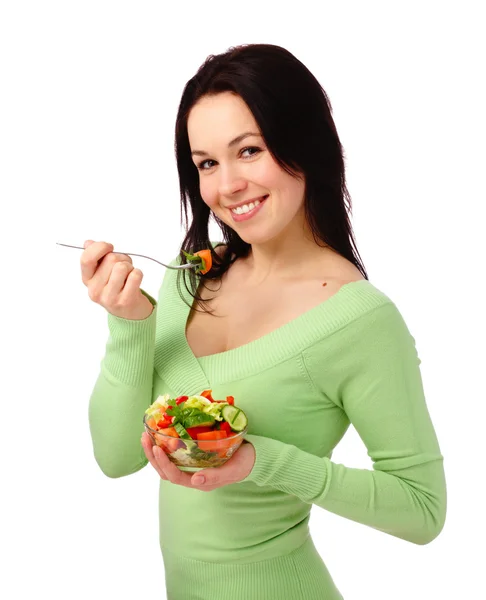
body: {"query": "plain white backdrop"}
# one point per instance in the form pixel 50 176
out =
pixel 89 94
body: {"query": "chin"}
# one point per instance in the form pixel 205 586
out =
pixel 256 238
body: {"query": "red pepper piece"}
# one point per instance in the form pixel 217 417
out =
pixel 193 431
pixel 162 424
pixel 181 399
pixel 208 395
pixel 230 400
pixel 225 426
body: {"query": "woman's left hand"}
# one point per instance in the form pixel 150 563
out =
pixel 234 470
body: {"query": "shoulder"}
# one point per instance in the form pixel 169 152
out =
pixel 372 348
pixel 367 325
pixel 342 270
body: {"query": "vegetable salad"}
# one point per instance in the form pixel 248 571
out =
pixel 196 430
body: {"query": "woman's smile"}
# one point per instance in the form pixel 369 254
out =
pixel 248 211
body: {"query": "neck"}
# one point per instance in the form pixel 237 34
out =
pixel 290 256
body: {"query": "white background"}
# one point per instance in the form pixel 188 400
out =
pixel 89 94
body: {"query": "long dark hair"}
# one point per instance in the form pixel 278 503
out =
pixel 293 113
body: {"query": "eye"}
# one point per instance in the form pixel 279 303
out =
pixel 201 166
pixel 250 148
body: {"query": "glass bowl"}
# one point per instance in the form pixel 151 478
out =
pixel 194 455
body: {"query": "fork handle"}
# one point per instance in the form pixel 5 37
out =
pixel 186 266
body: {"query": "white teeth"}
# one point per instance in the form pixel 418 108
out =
pixel 240 210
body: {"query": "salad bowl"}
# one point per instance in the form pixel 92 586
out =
pixel 196 432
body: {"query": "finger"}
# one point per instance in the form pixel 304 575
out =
pixel 109 280
pixel 110 274
pixel 173 473
pixel 117 282
pixel 91 257
pixel 149 449
pixel 149 453
pixel 162 464
pixel 210 483
pixel 132 285
pixel 232 471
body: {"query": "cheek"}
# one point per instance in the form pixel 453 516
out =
pixel 208 193
pixel 290 195
pixel 271 176
pixel 297 189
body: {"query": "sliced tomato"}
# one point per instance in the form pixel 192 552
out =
pixel 207 394
pixel 230 400
pixel 181 399
pixel 163 423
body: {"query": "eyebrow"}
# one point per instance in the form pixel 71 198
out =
pixel 237 140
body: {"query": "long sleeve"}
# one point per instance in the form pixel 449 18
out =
pixel 372 375
pixel 122 392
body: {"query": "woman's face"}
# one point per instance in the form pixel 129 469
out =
pixel 246 170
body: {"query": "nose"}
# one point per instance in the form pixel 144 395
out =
pixel 231 183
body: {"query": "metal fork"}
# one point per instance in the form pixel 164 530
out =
pixel 186 266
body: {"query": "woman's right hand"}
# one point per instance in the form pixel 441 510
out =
pixel 113 282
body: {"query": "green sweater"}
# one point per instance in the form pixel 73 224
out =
pixel 351 359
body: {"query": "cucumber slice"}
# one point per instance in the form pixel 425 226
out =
pixel 182 432
pixel 185 437
pixel 235 417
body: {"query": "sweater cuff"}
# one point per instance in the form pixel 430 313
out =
pixel 129 355
pixel 147 295
pixel 288 469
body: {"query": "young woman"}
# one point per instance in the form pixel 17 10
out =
pixel 290 326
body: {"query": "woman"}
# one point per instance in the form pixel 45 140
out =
pixel 295 332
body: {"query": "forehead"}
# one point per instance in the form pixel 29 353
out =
pixel 219 119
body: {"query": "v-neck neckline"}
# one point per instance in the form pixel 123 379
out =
pixel 185 373
pixel 287 339
pixel 275 333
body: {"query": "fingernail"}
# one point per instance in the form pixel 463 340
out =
pixel 198 479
